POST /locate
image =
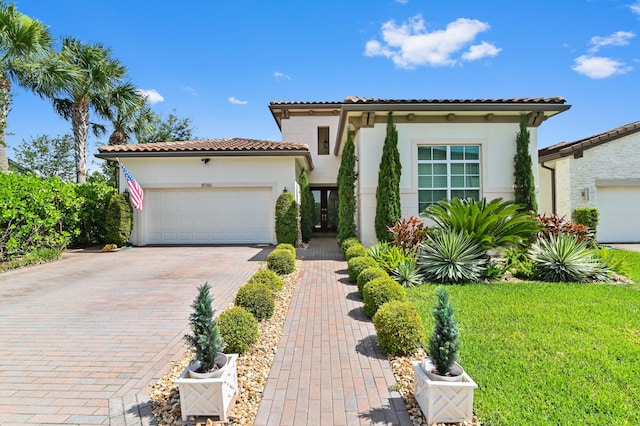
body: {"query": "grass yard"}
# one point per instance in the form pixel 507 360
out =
pixel 549 353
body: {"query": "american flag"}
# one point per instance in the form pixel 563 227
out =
pixel 137 196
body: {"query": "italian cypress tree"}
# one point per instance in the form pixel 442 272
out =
pixel 388 191
pixel 346 191
pixel 306 207
pixel 524 187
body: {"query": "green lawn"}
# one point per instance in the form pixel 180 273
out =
pixel 549 353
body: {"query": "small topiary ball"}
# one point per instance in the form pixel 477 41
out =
pixel 355 265
pixel 285 246
pixel 281 262
pixel 239 329
pixel 355 251
pixel 369 274
pixel 379 291
pixel 268 278
pixel 348 243
pixel 399 328
pixel 256 298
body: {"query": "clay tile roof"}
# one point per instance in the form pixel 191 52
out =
pixel 207 145
pixel 564 149
pixel 359 100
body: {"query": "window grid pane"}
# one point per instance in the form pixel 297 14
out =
pixel 448 172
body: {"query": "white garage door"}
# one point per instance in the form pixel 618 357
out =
pixel 209 216
pixel 619 207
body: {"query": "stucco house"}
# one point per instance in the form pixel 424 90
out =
pixel 224 191
pixel 600 171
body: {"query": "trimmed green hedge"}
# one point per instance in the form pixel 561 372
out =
pixel 369 274
pixel 355 265
pixel 399 327
pixel 256 298
pixel 268 278
pixel 281 262
pixel 286 219
pixel 238 328
pixel 379 291
pixel 119 220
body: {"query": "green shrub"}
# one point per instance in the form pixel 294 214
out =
pixel 349 242
pixel 281 262
pixel 205 335
pixel 239 329
pixel 35 214
pixel 355 251
pixel 444 342
pixel 347 176
pixel 617 265
pixel 493 224
pixel 356 265
pixel 369 274
pixel 289 247
pixel 451 257
pixel 286 218
pixel 587 216
pixel 379 291
pixel 94 198
pixel 518 263
pixel 389 256
pixel 564 258
pixel 119 220
pixel 307 207
pixel 268 278
pixel 399 327
pixel 256 298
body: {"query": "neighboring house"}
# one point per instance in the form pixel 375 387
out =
pixel 448 148
pixel 602 171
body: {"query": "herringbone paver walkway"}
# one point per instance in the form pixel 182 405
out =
pixel 328 368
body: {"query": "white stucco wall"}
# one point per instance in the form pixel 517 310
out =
pixel 304 129
pixel 545 203
pixel 276 173
pixel 497 150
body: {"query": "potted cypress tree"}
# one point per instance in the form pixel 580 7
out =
pixel 209 385
pixel 441 387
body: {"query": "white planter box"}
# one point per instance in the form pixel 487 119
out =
pixel 443 402
pixel 209 397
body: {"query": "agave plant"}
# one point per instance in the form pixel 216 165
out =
pixel 493 224
pixel 407 273
pixel 451 257
pixel 565 258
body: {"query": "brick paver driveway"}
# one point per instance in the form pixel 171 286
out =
pixel 82 338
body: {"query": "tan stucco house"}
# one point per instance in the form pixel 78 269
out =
pixel 600 171
pixel 224 191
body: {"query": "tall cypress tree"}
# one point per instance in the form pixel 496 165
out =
pixel 306 207
pixel 524 187
pixel 388 191
pixel 346 191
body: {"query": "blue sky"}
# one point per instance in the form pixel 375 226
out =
pixel 221 62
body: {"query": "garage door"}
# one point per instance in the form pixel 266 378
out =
pixel 619 207
pixel 209 216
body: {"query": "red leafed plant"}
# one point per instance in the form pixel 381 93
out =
pixel 554 225
pixel 408 233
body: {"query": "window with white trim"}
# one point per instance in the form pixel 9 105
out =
pixel 446 172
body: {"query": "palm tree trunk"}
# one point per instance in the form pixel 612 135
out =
pixel 80 125
pixel 5 101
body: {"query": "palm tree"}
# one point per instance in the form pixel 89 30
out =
pixel 98 75
pixel 23 42
pixel 127 112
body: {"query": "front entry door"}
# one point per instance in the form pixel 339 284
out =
pixel 325 213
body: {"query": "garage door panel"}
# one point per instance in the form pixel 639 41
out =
pixel 209 216
pixel 618 207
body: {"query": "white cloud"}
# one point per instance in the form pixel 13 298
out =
pixel 280 75
pixel 410 44
pixel 635 8
pixel 190 90
pixel 479 51
pixel 620 38
pixel 235 101
pixel 152 96
pixel 598 67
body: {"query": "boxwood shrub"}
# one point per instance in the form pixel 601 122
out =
pixel 256 298
pixel 268 278
pixel 286 218
pixel 281 262
pixel 355 250
pixel 399 327
pixel 238 328
pixel 369 274
pixel 285 246
pixel 379 291
pixel 348 243
pixel 355 265
pixel 119 220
